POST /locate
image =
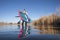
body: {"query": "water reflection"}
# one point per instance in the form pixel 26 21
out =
pixel 24 31
pixel 48 29
pixel 18 26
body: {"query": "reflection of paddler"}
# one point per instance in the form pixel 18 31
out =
pixel 20 33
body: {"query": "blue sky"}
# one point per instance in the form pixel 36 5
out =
pixel 35 8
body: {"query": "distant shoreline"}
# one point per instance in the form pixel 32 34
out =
pixel 3 23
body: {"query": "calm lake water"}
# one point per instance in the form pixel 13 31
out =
pixel 11 32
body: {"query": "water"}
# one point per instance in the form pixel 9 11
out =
pixel 11 32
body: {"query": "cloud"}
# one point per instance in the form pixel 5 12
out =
pixel 58 9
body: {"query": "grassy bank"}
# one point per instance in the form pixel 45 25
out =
pixel 52 19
